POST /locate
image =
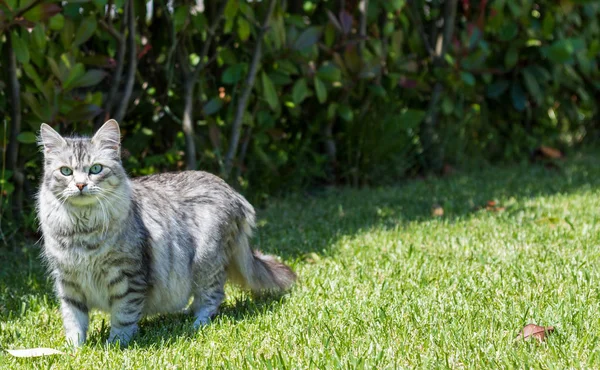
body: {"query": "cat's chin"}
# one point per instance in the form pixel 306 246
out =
pixel 83 200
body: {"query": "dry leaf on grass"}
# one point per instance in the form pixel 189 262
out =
pixel 493 207
pixel 437 210
pixel 549 152
pixel 535 331
pixel 34 352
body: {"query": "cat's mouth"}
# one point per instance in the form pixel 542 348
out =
pixel 83 199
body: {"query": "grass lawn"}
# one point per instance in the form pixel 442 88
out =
pixel 383 283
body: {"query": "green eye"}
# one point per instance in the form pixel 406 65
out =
pixel 95 169
pixel 66 171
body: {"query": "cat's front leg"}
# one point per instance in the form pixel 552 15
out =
pixel 75 319
pixel 127 304
pixel 73 307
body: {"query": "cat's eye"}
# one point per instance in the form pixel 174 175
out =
pixel 95 169
pixel 66 171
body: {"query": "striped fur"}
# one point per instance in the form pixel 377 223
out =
pixel 135 247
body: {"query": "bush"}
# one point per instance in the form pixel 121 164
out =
pixel 280 98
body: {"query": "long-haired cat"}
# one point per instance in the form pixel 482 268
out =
pixel 134 247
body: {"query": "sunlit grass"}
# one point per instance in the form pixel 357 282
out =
pixel 383 283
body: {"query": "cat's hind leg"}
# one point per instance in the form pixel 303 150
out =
pixel 209 292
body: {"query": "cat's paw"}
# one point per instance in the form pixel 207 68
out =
pixel 75 339
pixel 122 336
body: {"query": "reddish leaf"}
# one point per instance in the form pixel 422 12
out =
pixel 346 21
pixel 144 51
pixel 535 331
pixel 24 23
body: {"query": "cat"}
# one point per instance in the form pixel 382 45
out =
pixel 141 246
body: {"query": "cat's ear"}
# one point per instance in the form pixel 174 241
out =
pixel 109 135
pixel 50 139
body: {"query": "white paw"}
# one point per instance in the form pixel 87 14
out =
pixel 76 339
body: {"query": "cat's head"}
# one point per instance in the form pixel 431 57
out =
pixel 82 170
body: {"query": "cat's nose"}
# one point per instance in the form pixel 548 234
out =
pixel 80 186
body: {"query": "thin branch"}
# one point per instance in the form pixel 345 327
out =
pixel 415 16
pixel 27 8
pixel 211 34
pixel 132 64
pixel 111 30
pixel 243 102
pixel 15 128
pixel 111 98
pixel 449 18
pixel 107 16
pixel 363 24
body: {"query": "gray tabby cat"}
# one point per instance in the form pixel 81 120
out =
pixel 135 247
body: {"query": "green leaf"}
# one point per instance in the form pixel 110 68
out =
pixel 181 14
pixel 230 12
pixel 33 104
pixel 548 25
pixel 511 57
pixel 508 31
pixel 517 96
pixel 55 69
pixel 233 74
pixel 90 78
pixel 85 31
pixel 42 12
pixel 411 118
pixel 57 22
pixel 329 35
pixel 300 91
pixel 447 105
pixel 308 38
pixel 194 59
pixel 496 89
pixel 562 51
pixel 213 106
pixel 243 29
pixel 20 48
pixel 345 112
pixel 269 92
pixel 467 78
pixel 533 87
pixel 66 35
pixel 329 72
pixel 83 112
pixel 288 67
pixel 33 75
pixel 321 90
pixel 39 37
pixel 74 74
pixel 27 137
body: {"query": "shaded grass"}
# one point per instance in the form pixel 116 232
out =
pixel 382 283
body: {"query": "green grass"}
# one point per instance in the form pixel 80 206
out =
pixel 383 283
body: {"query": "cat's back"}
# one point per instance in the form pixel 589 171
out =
pixel 189 189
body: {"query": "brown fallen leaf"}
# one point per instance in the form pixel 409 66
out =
pixel 535 331
pixel 437 210
pixel 493 206
pixel 549 152
pixel 34 352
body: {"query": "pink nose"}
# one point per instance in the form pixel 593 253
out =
pixel 80 186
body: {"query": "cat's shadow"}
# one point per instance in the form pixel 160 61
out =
pixel 166 330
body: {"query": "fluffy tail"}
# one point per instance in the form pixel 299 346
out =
pixel 256 271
